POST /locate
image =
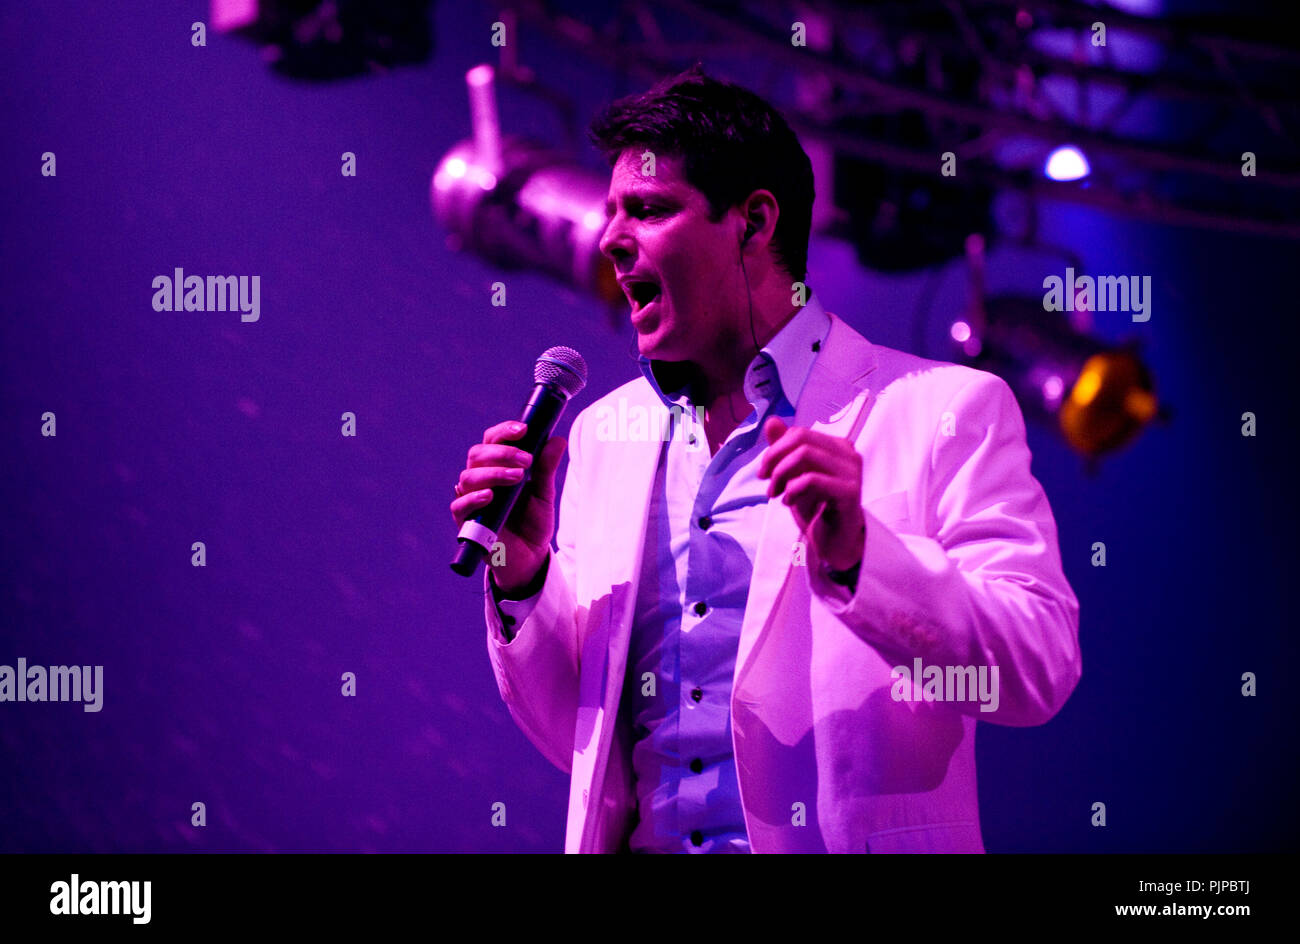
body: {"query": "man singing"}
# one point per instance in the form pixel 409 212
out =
pixel 781 642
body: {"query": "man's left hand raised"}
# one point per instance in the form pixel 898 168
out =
pixel 821 478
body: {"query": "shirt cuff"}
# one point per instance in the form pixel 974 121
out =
pixel 516 608
pixel 845 578
pixel 839 587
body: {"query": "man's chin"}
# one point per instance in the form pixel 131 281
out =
pixel 650 343
pixel 657 352
pixel 659 342
pixel 656 347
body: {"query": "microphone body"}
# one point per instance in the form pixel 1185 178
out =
pixel 559 374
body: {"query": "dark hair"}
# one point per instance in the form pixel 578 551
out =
pixel 730 142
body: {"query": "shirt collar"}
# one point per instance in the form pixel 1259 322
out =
pixel 780 370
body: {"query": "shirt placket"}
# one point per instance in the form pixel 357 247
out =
pixel 700 648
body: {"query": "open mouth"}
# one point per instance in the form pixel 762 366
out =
pixel 642 294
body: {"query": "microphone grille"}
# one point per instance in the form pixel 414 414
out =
pixel 563 367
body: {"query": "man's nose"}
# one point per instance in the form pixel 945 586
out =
pixel 616 243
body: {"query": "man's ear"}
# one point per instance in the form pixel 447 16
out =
pixel 760 209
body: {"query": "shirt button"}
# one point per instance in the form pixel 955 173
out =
pixel 705 523
pixel 696 694
pixel 697 766
pixel 700 608
pixel 697 838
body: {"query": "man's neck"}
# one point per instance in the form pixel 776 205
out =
pixel 721 377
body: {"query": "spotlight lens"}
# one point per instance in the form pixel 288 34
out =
pixel 1066 163
pixel 1088 385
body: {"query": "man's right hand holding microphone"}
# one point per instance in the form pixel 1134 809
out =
pixel 528 530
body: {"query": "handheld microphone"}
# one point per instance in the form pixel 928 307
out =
pixel 559 375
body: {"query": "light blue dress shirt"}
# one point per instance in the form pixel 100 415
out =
pixel 704 522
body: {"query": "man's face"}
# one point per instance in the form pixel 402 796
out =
pixel 675 265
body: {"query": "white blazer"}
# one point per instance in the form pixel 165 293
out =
pixel 834 752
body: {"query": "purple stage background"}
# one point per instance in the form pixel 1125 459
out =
pixel 328 554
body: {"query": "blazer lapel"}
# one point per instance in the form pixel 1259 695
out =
pixel 835 400
pixel 630 472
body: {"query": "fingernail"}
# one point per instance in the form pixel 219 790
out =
pixel 517 427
